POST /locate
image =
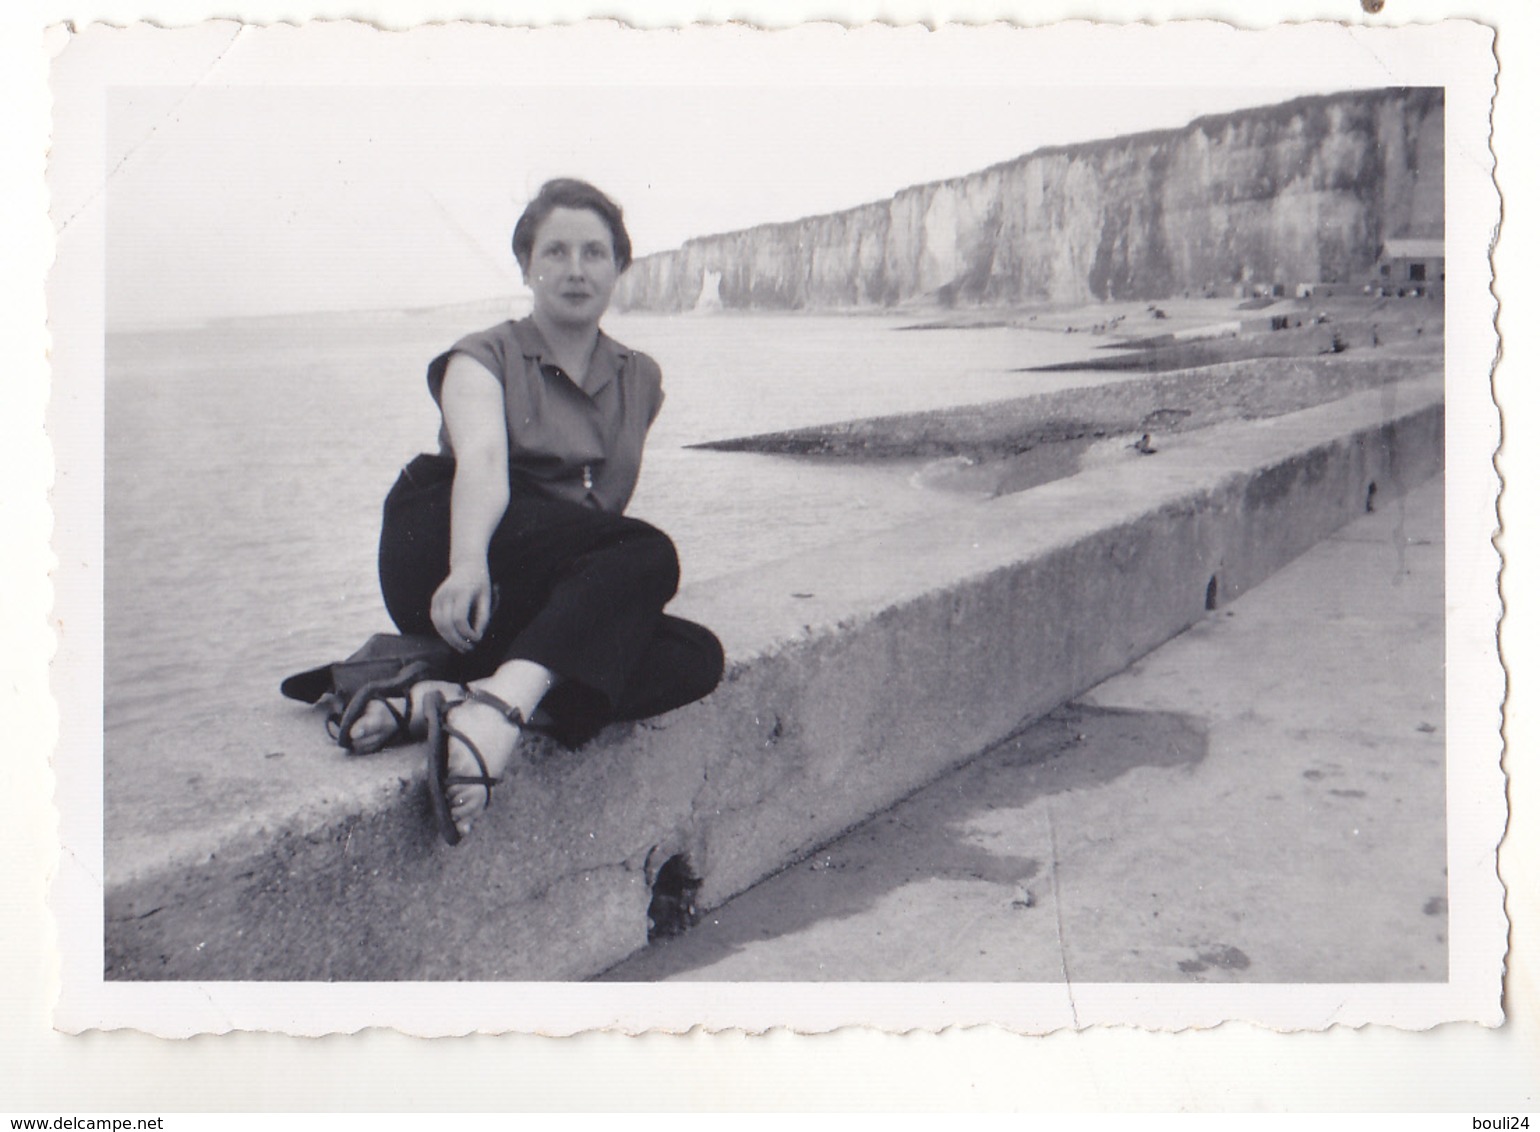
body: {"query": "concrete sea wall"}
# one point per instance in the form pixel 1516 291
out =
pixel 1304 191
pixel 854 678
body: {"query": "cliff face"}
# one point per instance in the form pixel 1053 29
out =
pixel 1299 192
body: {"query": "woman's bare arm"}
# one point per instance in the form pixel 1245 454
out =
pixel 472 403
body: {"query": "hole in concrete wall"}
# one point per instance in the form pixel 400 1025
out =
pixel 672 910
pixel 1211 596
pixel 1369 498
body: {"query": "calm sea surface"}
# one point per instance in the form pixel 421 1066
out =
pixel 246 465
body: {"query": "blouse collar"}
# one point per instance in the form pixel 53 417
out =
pixel 608 360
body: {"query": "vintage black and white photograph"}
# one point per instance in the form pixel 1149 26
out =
pixel 661 517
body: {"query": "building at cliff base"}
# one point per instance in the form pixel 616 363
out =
pixel 1410 265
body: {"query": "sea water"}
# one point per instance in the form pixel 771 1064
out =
pixel 246 463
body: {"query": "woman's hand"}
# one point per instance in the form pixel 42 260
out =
pixel 462 606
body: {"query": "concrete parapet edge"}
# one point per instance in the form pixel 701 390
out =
pixel 854 678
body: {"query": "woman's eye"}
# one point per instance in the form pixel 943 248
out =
pixel 594 251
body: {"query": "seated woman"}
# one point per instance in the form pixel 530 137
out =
pixel 511 544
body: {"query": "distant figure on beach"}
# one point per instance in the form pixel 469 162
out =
pixel 510 543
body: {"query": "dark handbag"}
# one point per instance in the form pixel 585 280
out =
pixel 384 657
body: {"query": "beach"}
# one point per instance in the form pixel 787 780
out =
pixel 247 461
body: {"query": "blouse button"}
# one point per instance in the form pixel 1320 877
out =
pixel 588 478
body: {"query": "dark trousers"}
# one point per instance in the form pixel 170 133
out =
pixel 578 591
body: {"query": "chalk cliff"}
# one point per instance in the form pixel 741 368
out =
pixel 1302 191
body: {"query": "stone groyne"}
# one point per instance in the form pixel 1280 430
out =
pixel 1249 389
pixel 1304 191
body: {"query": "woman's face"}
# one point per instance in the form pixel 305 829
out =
pixel 572 267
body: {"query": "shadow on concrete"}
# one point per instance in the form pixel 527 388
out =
pixel 949 830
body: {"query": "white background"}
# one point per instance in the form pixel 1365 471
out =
pixel 1460 1068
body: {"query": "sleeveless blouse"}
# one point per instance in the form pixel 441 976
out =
pixel 564 442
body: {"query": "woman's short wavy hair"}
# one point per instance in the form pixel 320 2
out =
pixel 568 192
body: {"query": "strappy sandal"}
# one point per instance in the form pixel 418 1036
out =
pixel 341 720
pixel 439 734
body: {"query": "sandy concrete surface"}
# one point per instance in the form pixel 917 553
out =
pixel 1261 799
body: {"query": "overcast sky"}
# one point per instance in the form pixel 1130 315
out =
pixel 256 199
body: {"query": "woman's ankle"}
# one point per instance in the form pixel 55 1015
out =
pixel 521 684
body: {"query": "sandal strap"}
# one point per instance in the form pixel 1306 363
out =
pixel 379 690
pixel 339 724
pixel 485 779
pixel 472 780
pixel 512 714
